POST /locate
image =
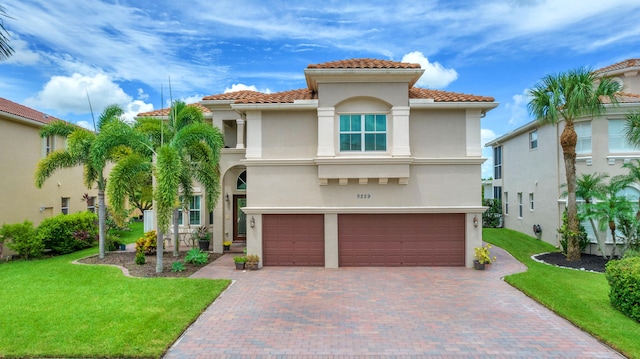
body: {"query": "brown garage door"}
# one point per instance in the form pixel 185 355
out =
pixel 293 239
pixel 401 239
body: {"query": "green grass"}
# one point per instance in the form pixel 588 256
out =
pixel 131 236
pixel 580 297
pixel 52 308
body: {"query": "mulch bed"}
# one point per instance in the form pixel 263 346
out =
pixel 587 262
pixel 127 260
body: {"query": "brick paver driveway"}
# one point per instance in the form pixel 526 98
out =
pixel 280 312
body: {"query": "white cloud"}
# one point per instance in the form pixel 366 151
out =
pixel 435 75
pixel 518 112
pixel 486 135
pixel 85 124
pixel 132 110
pixel 192 99
pixel 142 95
pixel 68 94
pixel 243 87
pixel 22 55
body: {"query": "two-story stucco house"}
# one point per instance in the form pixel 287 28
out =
pixel 21 147
pixel 529 166
pixel 360 168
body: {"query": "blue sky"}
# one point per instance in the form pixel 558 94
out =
pixel 124 51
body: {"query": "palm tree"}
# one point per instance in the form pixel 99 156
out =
pixel 187 149
pixel 88 149
pixel 590 187
pixel 612 208
pixel 568 96
pixel 634 176
pixel 5 49
pixel 632 128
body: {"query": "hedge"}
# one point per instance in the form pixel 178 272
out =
pixel 624 278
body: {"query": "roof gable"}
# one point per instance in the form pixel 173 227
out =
pixel 166 111
pixel 364 63
pixel 617 67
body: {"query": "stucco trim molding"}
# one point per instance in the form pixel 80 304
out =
pixel 450 161
pixel 320 210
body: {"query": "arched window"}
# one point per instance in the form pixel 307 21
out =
pixel 241 183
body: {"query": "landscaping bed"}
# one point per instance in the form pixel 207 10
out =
pixel 587 262
pixel 127 260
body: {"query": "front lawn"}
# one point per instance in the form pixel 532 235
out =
pixel 581 297
pixel 52 308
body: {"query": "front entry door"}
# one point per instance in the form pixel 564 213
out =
pixel 239 218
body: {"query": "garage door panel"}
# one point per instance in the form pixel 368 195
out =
pixel 293 240
pixel 401 239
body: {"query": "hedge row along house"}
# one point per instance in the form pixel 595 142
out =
pixel 360 168
pixel 529 171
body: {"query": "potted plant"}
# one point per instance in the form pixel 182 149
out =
pixel 483 257
pixel 202 233
pixel 239 261
pixel 252 261
pixel 226 245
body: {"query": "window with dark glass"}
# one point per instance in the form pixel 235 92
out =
pixel 363 132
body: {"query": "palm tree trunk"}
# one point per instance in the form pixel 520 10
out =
pixel 159 251
pixel 612 226
pixel 596 232
pixel 568 140
pixel 102 210
pixel 175 239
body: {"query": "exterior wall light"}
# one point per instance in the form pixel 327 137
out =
pixel 475 221
pixel 226 197
pixel 252 222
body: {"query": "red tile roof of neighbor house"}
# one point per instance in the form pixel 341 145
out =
pixel 24 111
pixel 364 64
pixel 165 111
pixel 620 65
pixel 623 97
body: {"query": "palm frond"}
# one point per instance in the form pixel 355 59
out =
pixel 127 172
pixel 54 161
pixel 110 113
pixel 59 128
pixel 155 129
pixel 5 49
pixel 168 169
pixel 632 129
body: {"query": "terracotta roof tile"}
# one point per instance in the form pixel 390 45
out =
pixel 364 64
pixel 620 65
pixel 236 95
pixel 281 97
pixel 445 96
pixel 24 111
pixel 623 97
pixel 165 111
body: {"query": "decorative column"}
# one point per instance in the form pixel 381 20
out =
pixel 401 146
pixel 240 133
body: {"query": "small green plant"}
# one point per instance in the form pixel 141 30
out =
pixel 21 238
pixel 252 261
pixel 483 255
pixel 240 259
pixel 177 266
pixel 202 233
pixel 624 278
pixel 564 231
pixel 196 256
pixel 140 258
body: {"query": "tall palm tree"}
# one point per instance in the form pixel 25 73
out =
pixel 567 97
pixel 5 49
pixel 90 150
pixel 612 208
pixel 591 187
pixel 187 150
pixel 632 128
pixel 634 176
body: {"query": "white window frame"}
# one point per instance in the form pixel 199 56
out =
pixel 617 140
pixel 583 130
pixel 91 204
pixel 363 133
pixel 64 205
pixel 506 203
pixel 531 198
pixel 533 140
pixel 497 162
pixel 193 209
pixel 520 206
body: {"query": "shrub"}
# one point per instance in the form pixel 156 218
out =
pixel 177 266
pixel 196 256
pixel 66 233
pixel 583 240
pixel 630 253
pixel 112 242
pixel 147 244
pixel 624 278
pixel 140 259
pixel 21 237
pixel 492 217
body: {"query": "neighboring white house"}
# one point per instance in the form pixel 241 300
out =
pixel 529 166
pixel 360 168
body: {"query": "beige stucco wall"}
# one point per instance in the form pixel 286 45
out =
pixel 438 133
pixel 20 150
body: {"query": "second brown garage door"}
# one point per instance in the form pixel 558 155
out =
pixel 401 239
pixel 293 239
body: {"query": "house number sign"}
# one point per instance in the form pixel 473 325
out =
pixel 363 195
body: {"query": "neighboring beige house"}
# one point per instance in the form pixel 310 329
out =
pixel 529 166
pixel 21 147
pixel 360 168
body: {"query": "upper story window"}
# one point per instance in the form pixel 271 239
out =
pixel 617 140
pixel 363 132
pixel 64 205
pixel 497 193
pixel 497 162
pixel 533 139
pixel 583 130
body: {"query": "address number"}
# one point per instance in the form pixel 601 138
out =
pixel 363 195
